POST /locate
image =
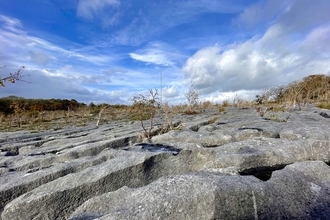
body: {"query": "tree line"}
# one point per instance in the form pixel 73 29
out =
pixel 8 104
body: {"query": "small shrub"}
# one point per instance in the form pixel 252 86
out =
pixel 238 101
pixel 144 107
pixel 225 103
pixel 207 105
pixel 190 112
pixel 222 109
pixel 168 114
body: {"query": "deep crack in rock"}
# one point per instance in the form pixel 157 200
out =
pixel 262 173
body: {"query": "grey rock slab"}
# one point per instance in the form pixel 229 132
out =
pixel 50 144
pixel 14 184
pixel 168 198
pixel 206 139
pixel 33 161
pixel 299 191
pixel 38 170
pixel 56 199
pixel 277 116
pixel 256 130
pixel 306 125
pixel 267 152
pixel 25 136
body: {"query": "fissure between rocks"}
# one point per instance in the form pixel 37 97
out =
pixel 263 173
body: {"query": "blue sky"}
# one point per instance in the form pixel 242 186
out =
pixel 110 50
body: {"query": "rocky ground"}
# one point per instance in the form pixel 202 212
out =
pixel 230 165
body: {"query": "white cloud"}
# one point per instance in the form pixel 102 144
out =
pixel 253 65
pixel 159 54
pixel 219 97
pixel 294 46
pixel 152 57
pixel 170 91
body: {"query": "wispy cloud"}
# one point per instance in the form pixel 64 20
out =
pixel 159 54
pixel 90 9
pixel 11 24
pixel 43 44
pixel 261 12
pixel 52 66
pixel 104 11
pixel 14 40
pixel 153 19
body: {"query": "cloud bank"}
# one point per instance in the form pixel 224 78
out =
pixel 288 50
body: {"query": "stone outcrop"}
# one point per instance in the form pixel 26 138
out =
pixel 299 191
pixel 232 165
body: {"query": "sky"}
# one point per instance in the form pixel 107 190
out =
pixel 108 51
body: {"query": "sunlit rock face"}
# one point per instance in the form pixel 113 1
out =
pixel 230 165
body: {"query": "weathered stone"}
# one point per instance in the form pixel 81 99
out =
pixel 206 139
pixel 204 171
pixel 299 191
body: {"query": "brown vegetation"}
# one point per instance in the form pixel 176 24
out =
pixel 144 107
pixel 39 114
pixel 311 89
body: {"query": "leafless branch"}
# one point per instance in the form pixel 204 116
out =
pixel 13 77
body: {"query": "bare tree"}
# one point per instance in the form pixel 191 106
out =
pixel 294 93
pixel 13 77
pixel 192 97
pixel 278 93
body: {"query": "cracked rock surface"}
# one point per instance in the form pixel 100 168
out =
pixel 232 165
